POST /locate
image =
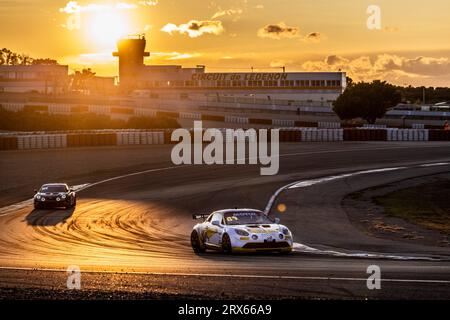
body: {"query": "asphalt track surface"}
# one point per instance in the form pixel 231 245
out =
pixel 129 233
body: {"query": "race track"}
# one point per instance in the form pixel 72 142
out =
pixel 133 222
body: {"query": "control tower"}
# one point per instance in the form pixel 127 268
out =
pixel 131 53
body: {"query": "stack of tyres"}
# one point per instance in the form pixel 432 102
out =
pixel 8 143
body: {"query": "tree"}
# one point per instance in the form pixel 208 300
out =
pixel 10 58
pixel 368 101
pixel 80 79
pixel 349 81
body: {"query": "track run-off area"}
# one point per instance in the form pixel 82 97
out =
pixel 134 217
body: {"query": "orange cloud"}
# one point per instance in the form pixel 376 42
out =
pixel 195 28
pixel 278 31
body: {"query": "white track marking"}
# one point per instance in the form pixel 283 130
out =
pixel 299 247
pixel 222 275
pixel 308 183
pixel 435 164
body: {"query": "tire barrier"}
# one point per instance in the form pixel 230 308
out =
pixel 260 121
pixel 190 115
pixel 374 126
pixel 41 141
pixel 360 134
pixel 35 107
pixel 407 134
pixel 141 112
pixel 88 138
pixel 8 143
pixel 59 108
pixel 79 109
pixel 283 123
pixel 14 107
pixel 168 114
pixel 290 135
pixel 305 124
pixel 98 109
pixel 139 138
pixel 168 136
pixel 234 119
pixel 91 139
pixel 418 126
pixel 211 117
pixel 439 135
pixel 119 110
pixel 251 137
pixel 322 135
pixel 329 125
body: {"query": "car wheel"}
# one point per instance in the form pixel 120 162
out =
pixel 37 206
pixel 226 244
pixel 196 243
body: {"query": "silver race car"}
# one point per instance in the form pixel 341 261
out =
pixel 234 230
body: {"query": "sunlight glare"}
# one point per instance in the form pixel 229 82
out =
pixel 104 29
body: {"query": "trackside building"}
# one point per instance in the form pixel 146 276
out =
pixel 174 81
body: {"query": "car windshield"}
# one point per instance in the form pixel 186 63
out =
pixel 53 188
pixel 246 217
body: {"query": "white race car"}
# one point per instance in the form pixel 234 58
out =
pixel 234 230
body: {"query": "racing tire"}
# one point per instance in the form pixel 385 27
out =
pixel 37 206
pixel 226 244
pixel 196 243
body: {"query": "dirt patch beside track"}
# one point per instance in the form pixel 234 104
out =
pixel 414 210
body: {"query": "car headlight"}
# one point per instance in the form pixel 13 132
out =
pixel 63 196
pixel 242 232
pixel 38 196
pixel 285 231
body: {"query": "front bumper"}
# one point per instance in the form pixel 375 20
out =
pixel 268 243
pixel 52 202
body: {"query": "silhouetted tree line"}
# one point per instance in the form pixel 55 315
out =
pixel 432 95
pixel 10 58
pixel 412 94
pixel 37 121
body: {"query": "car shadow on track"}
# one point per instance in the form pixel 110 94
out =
pixel 49 217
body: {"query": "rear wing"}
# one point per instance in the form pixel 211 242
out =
pixel 197 216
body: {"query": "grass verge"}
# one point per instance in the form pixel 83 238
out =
pixel 427 205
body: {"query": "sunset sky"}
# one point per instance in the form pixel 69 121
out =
pixel 411 47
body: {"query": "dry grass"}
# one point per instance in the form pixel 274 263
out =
pixel 427 205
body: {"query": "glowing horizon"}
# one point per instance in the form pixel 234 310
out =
pixel 410 47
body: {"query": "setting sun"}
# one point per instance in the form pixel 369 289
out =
pixel 104 29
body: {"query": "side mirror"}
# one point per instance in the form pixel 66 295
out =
pixel 277 220
pixel 216 223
